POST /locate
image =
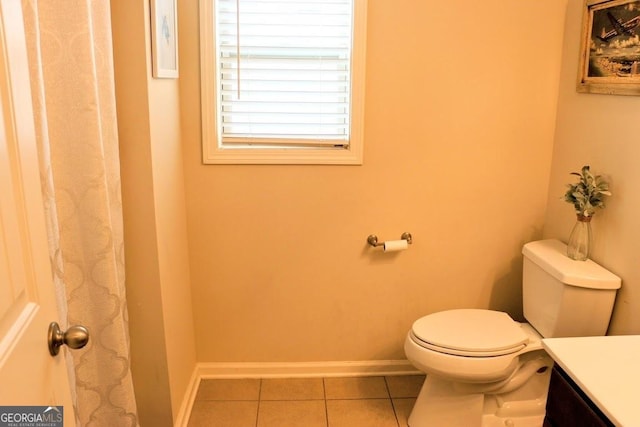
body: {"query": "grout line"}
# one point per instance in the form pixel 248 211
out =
pixel 395 412
pixel 386 385
pixel 259 400
pixel 326 409
pixel 393 406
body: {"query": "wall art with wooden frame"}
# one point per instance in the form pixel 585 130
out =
pixel 610 48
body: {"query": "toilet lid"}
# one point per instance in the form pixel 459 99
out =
pixel 470 332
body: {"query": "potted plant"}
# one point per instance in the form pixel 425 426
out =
pixel 586 196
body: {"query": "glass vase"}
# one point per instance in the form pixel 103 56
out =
pixel 580 239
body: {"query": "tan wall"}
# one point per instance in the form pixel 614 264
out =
pixel 157 267
pixel 460 116
pixel 600 131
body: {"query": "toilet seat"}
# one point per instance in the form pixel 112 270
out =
pixel 469 333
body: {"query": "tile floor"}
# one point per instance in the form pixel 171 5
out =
pixel 306 402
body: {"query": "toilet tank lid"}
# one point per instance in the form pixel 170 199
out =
pixel 551 256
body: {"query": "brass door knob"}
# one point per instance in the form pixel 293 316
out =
pixel 75 337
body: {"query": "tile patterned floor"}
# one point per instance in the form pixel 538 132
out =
pixel 306 402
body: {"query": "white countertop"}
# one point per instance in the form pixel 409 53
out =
pixel 607 369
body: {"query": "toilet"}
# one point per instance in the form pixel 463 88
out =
pixel 485 369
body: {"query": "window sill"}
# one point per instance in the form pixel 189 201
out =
pixel 282 156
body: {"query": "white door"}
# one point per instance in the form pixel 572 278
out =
pixel 29 375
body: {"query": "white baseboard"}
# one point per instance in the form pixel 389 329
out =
pixel 288 370
pixel 187 402
pixel 305 369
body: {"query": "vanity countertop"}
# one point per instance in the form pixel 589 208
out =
pixel 607 369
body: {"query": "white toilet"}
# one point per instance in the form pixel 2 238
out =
pixel 483 368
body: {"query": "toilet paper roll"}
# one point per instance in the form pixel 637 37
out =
pixel 395 245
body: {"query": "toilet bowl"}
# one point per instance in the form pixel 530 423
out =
pixel 483 368
pixel 487 351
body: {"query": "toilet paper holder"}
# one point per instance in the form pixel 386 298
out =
pixel 373 239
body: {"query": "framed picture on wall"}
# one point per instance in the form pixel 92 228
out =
pixel 164 38
pixel 610 48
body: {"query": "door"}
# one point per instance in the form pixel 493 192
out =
pixel 29 375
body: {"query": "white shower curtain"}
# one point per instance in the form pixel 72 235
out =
pixel 71 69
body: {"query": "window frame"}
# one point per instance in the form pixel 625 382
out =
pixel 212 150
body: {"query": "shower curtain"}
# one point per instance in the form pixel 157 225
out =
pixel 71 72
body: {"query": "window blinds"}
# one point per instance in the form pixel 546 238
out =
pixel 284 71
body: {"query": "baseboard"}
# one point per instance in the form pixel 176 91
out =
pixel 305 369
pixel 189 397
pixel 287 370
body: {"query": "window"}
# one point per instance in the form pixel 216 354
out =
pixel 282 81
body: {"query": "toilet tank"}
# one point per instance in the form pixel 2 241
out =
pixel 563 297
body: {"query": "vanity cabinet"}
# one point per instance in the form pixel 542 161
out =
pixel 568 406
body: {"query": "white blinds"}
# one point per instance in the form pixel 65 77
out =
pixel 284 71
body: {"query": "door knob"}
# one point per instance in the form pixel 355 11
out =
pixel 75 337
